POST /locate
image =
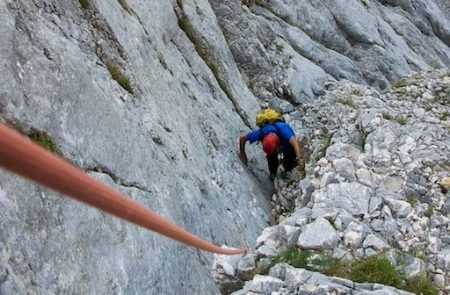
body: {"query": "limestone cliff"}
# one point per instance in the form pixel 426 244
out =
pixel 149 97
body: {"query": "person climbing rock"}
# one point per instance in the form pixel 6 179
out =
pixel 277 137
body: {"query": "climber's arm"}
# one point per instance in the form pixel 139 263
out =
pixel 298 152
pixel 242 154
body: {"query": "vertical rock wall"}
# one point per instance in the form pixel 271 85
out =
pixel 169 145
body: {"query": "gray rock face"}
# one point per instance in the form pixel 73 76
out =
pixel 351 197
pixel 444 259
pixel 304 43
pixel 319 235
pixel 169 146
pixel 168 139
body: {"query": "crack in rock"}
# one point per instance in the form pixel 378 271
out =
pixel 117 179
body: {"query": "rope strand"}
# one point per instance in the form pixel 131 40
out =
pixel 21 156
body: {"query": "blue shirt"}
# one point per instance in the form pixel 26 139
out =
pixel 285 133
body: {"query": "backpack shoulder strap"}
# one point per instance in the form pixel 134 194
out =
pixel 277 128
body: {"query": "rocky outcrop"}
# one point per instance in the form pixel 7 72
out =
pixel 166 141
pixel 288 49
pixel 284 279
pixel 376 189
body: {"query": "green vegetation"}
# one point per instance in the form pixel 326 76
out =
pixel 399 83
pixel 429 211
pixel 215 71
pixel 280 47
pixel 420 286
pixel 411 200
pixel 124 5
pixel 357 91
pixel 428 107
pixel 326 143
pixel 295 257
pixel 84 4
pixel 43 139
pixel 444 116
pixel 374 269
pixel 286 19
pixel 401 120
pixel 346 101
pixel 117 75
pixel 387 116
pixel 370 269
pixel 309 260
pixel 186 26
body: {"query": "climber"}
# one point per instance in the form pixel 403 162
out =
pixel 277 138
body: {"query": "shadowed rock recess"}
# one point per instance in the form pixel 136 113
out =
pixel 150 96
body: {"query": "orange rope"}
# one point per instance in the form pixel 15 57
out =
pixel 20 155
